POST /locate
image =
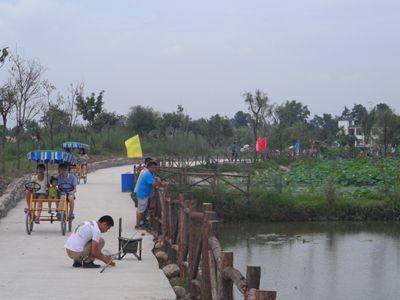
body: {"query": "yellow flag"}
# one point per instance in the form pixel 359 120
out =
pixel 133 147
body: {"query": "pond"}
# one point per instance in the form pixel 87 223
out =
pixel 329 261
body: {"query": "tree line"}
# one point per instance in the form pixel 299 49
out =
pixel 40 112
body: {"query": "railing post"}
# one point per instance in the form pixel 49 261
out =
pixel 182 235
pixel 192 245
pixel 205 267
pixel 226 285
pixel 253 275
pixel 163 215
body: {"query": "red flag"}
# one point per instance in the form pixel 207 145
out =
pixel 261 145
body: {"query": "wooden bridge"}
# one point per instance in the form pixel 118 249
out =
pixel 190 238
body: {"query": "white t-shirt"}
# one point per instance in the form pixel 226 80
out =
pixel 83 233
pixel 43 184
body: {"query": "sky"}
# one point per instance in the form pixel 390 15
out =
pixel 206 54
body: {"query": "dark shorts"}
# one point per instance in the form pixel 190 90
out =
pixel 39 195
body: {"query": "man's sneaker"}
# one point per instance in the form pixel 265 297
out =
pixel 90 265
pixel 77 264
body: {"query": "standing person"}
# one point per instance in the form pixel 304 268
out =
pixel 234 149
pixel 66 177
pixel 40 179
pixel 141 169
pixel 84 244
pixel 144 188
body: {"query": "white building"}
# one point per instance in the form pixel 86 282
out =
pixel 351 126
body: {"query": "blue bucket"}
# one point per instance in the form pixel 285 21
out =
pixel 127 182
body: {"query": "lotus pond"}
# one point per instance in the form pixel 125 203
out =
pixel 314 261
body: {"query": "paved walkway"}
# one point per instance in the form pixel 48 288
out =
pixel 37 267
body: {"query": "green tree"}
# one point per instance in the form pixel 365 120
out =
pixel 142 120
pixel 325 127
pixel 292 112
pixel 106 121
pixel 27 83
pixel 55 120
pixel 34 132
pixel 7 103
pixel 241 119
pixel 219 129
pixel 3 55
pixel 89 108
pixel 386 126
pixel 74 92
pixel 259 108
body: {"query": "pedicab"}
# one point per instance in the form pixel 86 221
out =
pixel 79 169
pixel 43 206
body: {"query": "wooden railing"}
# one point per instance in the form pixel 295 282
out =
pixel 183 179
pixel 191 241
pixel 203 160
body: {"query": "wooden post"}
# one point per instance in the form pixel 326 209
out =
pixel 253 275
pixel 226 285
pixel 163 215
pixel 181 234
pixel 205 270
pixel 192 244
pixel 253 294
pixel 170 221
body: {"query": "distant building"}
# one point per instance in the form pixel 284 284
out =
pixel 350 126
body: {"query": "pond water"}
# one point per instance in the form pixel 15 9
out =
pixel 321 261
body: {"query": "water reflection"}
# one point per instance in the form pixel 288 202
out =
pixel 320 260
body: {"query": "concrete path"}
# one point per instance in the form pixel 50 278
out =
pixel 36 266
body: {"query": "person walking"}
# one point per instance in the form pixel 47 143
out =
pixel 85 244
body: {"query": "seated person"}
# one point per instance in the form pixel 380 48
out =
pixel 40 179
pixel 83 158
pixel 53 190
pixel 65 177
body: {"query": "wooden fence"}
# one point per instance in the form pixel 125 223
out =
pixel 202 160
pixel 183 179
pixel 191 241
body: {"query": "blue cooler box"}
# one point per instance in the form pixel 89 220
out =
pixel 127 182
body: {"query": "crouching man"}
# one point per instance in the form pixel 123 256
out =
pixel 85 244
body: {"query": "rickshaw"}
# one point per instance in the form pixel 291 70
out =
pixel 38 204
pixel 79 169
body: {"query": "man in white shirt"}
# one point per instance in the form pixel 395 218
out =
pixel 85 243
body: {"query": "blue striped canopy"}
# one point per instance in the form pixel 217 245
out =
pixel 53 157
pixel 75 145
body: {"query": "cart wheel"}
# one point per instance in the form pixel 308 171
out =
pixel 69 225
pixel 29 222
pixel 63 224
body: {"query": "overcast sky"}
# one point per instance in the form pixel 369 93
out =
pixel 205 54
